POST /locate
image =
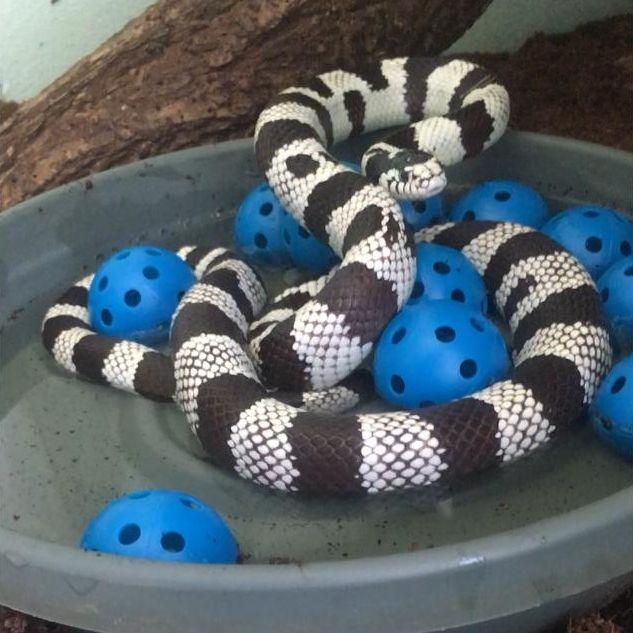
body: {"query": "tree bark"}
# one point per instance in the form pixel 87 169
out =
pixel 188 72
pixel 577 84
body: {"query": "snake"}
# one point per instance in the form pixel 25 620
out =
pixel 270 390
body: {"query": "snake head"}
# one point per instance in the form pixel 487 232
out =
pixel 423 180
pixel 405 174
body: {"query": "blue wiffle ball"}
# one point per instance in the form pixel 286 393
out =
pixel 419 214
pixel 612 408
pixel 502 201
pixel 135 292
pixel 306 251
pixel 616 291
pixel 445 273
pixel 597 236
pixel 435 351
pixel 257 228
pixel 166 525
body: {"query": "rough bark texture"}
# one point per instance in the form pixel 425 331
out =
pixel 578 84
pixel 7 108
pixel 188 72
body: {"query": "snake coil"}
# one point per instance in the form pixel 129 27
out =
pixel 263 390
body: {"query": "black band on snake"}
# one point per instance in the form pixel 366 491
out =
pixel 232 367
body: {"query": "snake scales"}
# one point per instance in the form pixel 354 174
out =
pixel 263 391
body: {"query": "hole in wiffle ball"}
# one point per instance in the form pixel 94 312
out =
pixel 593 244
pixel 419 206
pixel 441 268
pixel 625 248
pixel 604 294
pixel 103 283
pixel 149 272
pixel 261 241
pixel 477 324
pixel 123 255
pixel 606 423
pixel 286 236
pixel 618 385
pixel 153 252
pixel 398 335
pixel 181 294
pixel 189 503
pixel 132 298
pixel 172 542
pixel 445 334
pixel 426 403
pixel 629 271
pixel 397 384
pixel 591 214
pixel 458 295
pixel 129 534
pixel 106 317
pixel 468 368
pixel 303 233
pixel 502 196
pixel 418 290
pixel 468 216
pixel 266 208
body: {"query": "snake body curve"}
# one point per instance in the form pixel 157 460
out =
pixel 229 359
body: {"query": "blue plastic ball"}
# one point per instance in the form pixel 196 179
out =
pixel 436 351
pixel 134 294
pixel 445 273
pixel 616 291
pixel 504 201
pixel 612 409
pixel 306 251
pixel 419 214
pixel 596 236
pixel 258 227
pixel 161 525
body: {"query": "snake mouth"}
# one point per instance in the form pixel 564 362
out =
pixel 415 183
pixel 427 186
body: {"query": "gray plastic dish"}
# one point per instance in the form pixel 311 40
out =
pixel 507 551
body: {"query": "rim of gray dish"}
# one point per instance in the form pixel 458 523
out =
pixel 609 520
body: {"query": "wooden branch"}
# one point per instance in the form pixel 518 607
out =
pixel 188 72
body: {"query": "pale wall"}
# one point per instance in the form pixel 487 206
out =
pixel 39 40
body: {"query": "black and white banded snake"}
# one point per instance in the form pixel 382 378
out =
pixel 290 434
